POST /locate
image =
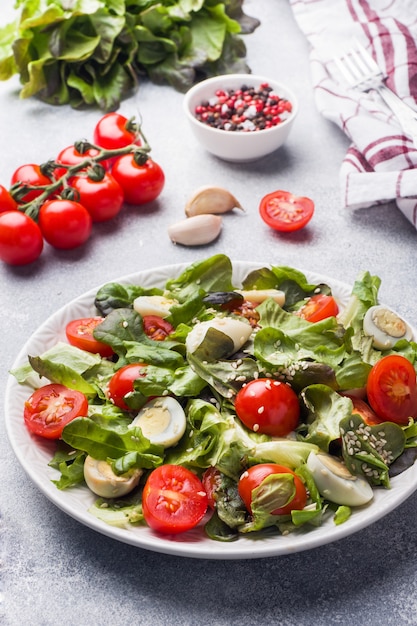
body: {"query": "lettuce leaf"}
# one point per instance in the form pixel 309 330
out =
pixel 92 52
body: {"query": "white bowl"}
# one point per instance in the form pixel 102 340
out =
pixel 238 145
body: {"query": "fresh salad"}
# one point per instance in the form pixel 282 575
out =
pixel 263 406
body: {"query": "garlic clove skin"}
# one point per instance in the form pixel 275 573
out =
pixel 196 230
pixel 211 200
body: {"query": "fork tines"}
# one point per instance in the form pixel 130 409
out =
pixel 358 67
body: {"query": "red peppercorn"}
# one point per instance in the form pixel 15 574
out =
pixel 246 109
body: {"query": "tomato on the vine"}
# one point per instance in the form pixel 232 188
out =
pixel 157 328
pixel 103 198
pixel 140 183
pixel 79 333
pixel 121 383
pixel 253 478
pixel 51 407
pixel 268 406
pixel 392 389
pixel 65 224
pixel 318 308
pixel 21 240
pixel 70 156
pixel 115 131
pixel 285 212
pixel 32 175
pixel 173 499
pixel 7 202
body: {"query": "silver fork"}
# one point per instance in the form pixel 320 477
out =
pixel 361 72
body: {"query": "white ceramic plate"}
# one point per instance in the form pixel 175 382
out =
pixel 34 454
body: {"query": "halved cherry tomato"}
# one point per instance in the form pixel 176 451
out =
pixel 392 389
pixel 211 480
pixel 268 406
pixel 253 477
pixel 51 407
pixel 284 211
pixel 80 334
pixel 318 308
pixel 364 410
pixel 121 383
pixel 157 328
pixel 173 499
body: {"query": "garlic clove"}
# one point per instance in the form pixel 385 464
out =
pixel 196 230
pixel 212 200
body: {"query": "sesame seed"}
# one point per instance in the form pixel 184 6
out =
pixel 261 409
pixel 255 428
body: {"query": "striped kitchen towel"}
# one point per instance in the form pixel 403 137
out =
pixel 381 163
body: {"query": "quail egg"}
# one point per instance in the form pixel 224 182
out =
pixel 162 421
pixel 102 481
pixel 385 326
pixel 336 483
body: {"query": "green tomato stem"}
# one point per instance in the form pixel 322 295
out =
pixel 32 208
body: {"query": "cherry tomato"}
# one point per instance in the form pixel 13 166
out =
pixel 30 174
pixel 286 212
pixel 211 482
pixel 65 224
pixel 173 499
pixel 121 383
pixel 71 156
pixel 157 328
pixel 7 203
pixel 103 198
pixel 140 183
pixel 51 407
pixel 364 410
pixel 115 131
pixel 268 406
pixel 21 240
pixel 318 308
pixel 80 334
pixel 392 389
pixel 255 475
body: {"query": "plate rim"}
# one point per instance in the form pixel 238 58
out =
pixel 188 545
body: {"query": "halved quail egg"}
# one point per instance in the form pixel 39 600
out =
pixel 336 483
pixel 385 326
pixel 102 481
pixel 162 421
pixel 230 335
pixel 153 305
